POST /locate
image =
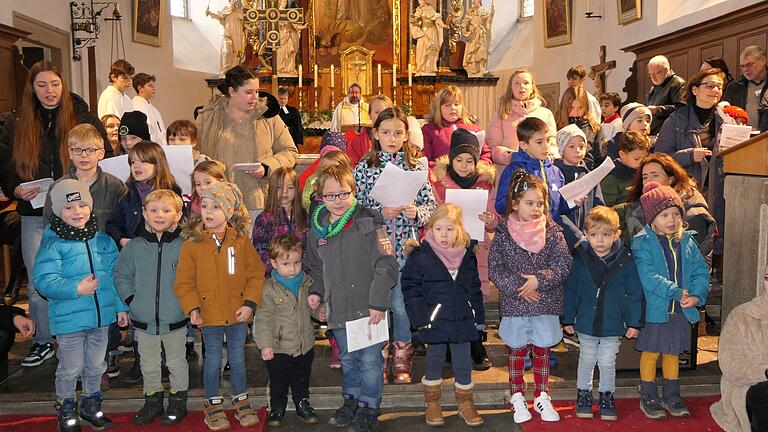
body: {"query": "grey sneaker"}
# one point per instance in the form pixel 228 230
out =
pixel 38 354
pixel 650 404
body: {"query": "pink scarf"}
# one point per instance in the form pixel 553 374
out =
pixel 451 257
pixel 528 235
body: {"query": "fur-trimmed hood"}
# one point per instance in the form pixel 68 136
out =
pixel 486 172
pixel 194 230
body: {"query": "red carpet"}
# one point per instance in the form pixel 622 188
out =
pixel 630 418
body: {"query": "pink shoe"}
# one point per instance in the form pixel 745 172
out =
pixel 334 362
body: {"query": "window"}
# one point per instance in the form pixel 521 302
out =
pixel 180 8
pixel 526 8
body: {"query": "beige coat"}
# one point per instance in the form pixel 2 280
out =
pixel 743 358
pixel 282 321
pixel 270 143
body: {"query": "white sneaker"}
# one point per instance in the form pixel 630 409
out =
pixel 543 406
pixel 520 408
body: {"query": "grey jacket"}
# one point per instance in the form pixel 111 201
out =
pixel 283 321
pixel 354 270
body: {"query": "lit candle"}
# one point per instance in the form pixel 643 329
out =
pixel 394 75
pixel 301 72
pixel 315 81
pixel 333 78
pixel 588 8
pixel 378 73
pixel 410 75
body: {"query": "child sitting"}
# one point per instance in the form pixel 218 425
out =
pixel 572 144
pixel 184 132
pixel 633 148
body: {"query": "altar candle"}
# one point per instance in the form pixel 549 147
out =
pixel 315 81
pixel 378 73
pixel 301 72
pixel 410 76
pixel 394 75
pixel 333 78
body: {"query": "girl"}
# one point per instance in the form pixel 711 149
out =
pixel 634 117
pixel 218 282
pixel 675 280
pixel 574 109
pixel 111 124
pixel 529 262
pixel 441 287
pixel 184 132
pixel 390 144
pixel 206 174
pixel 359 146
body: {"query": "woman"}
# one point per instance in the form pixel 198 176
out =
pixel 717 63
pixel 33 146
pixel 574 109
pixel 521 99
pixel 111 124
pixel 243 126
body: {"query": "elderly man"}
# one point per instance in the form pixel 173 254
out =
pixel 666 95
pixel 749 90
pixel 351 111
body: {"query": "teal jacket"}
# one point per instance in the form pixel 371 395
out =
pixel 659 290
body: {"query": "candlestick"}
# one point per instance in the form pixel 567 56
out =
pixel 333 77
pixel 315 82
pixel 378 74
pixel 315 98
pixel 301 72
pixel 410 75
pixel 394 75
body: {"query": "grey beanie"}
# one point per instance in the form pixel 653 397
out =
pixel 67 191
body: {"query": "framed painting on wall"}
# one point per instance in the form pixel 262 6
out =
pixel 551 94
pixel 148 21
pixel 629 10
pixel 557 22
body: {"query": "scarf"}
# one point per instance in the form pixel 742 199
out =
pixel 451 257
pixel 68 232
pixel 143 189
pixel 293 284
pixel 467 182
pixel 530 236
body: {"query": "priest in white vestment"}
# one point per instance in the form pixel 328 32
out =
pixel 351 111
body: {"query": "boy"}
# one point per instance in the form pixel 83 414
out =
pixel 353 267
pixel 603 302
pixel 184 132
pixel 144 84
pixel 73 270
pixel 610 103
pixel 633 147
pixel 133 130
pixel 144 275
pixel 283 316
pixel 113 99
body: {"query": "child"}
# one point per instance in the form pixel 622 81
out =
pixel 331 141
pixel 575 109
pixel 603 302
pixel 113 99
pixel 221 301
pixel 204 175
pixel 329 155
pixel 359 146
pixel 283 329
pixel 609 105
pixel 353 267
pixel 133 130
pixel 111 124
pixel 390 145
pixel 73 270
pixel 144 274
pixel 633 148
pixel 283 214
pixel 184 132
pixel 634 117
pixel 441 276
pixel 675 280
pixel 528 263
pixel 572 146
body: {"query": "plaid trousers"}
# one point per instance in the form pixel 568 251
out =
pixel 516 364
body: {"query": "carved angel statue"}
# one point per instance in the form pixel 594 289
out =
pixel 232 46
pixel 477 29
pixel 427 28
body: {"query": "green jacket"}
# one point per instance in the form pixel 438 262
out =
pixel 282 321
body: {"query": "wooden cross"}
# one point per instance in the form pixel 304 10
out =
pixel 597 72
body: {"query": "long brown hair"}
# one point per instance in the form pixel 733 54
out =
pixel 27 142
pixel 373 156
pixel 509 96
pixel 569 95
pixel 278 178
pixel 149 152
pixel 682 183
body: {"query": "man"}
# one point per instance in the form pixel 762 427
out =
pixel 576 76
pixel 12 319
pixel 666 95
pixel 113 99
pixel 749 90
pixel 144 84
pixel 291 116
pixel 351 111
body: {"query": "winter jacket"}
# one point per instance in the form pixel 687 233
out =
pixel 743 359
pixel 283 321
pixel 400 228
pixel 217 280
pixel 268 226
pixel 292 119
pixel 358 147
pixel 507 263
pixel 49 165
pixel 127 216
pixel 144 275
pixel 552 175
pixel 501 135
pixel 442 309
pixel 612 146
pixel 736 94
pixel 659 290
pixel 106 191
pixel 594 198
pixel 603 296
pixel 437 141
pixel 615 185
pixel 60 265
pixel 355 270
pixel 666 97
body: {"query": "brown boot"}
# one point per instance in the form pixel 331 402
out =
pixel 244 413
pixel 215 417
pixel 433 391
pixel 466 406
pixel 402 362
pixel 386 352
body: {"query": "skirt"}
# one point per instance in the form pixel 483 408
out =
pixel 542 330
pixel 671 337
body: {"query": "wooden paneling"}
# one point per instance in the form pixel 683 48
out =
pixel 8 59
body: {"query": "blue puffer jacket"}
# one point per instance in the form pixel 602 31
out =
pixel 554 180
pixel 659 289
pixel 60 265
pixel 442 309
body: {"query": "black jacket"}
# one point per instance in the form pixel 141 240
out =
pixel 736 94
pixel 292 119
pixel 6 317
pixel 126 217
pixel 667 97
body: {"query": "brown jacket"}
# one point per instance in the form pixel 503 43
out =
pixel 269 142
pixel 209 280
pixel 282 321
pixel 743 358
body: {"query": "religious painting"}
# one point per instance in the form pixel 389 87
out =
pixel 557 22
pixel 629 10
pixel 148 21
pixel 551 94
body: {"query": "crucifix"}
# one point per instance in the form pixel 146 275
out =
pixel 597 72
pixel 273 14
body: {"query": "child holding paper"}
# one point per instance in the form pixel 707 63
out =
pixel 184 132
pixel 390 145
pixel 572 144
pixel 633 148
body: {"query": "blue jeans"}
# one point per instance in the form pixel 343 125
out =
pixel 213 337
pixel 81 354
pixel 601 351
pixel 31 236
pixel 400 322
pixel 461 361
pixel 363 369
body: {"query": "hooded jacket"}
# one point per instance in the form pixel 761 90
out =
pixel 127 215
pixel 542 169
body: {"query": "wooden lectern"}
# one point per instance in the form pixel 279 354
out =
pixel 746 221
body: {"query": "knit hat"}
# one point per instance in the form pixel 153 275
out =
pixel 736 113
pixel 134 123
pixel 657 198
pixel 226 195
pixel 329 148
pixel 67 191
pixel 336 139
pixel 464 141
pixel 632 111
pixel 565 134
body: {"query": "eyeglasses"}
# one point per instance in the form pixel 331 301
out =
pixel 77 151
pixel 712 85
pixel 749 65
pixel 334 197
pixel 387 134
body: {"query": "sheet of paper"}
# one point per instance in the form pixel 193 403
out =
pixel 360 334
pixel 44 184
pixel 472 203
pixel 480 136
pixel 117 166
pixel 249 166
pixel 732 135
pixel 182 163
pixel 581 187
pixel 396 187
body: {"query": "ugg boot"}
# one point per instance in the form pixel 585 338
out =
pixel 215 417
pixel 90 412
pixel 649 401
pixel 152 409
pixel 402 362
pixel 68 420
pixel 244 413
pixel 177 408
pixel 433 392
pixel 386 352
pixel 333 361
pixel 671 400
pixel 466 405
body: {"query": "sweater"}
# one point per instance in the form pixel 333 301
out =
pixel 501 134
pixel 283 320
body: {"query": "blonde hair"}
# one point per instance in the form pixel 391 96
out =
pixel 284 244
pixel 452 213
pixel 602 216
pixel 449 93
pixel 165 196
pixel 509 96
pixel 379 98
pixel 85 134
pixel 341 174
pixel 678 235
pixel 211 167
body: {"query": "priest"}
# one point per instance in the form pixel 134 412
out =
pixel 351 111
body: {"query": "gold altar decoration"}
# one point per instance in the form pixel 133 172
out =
pixel 455 14
pixel 271 15
pixel 357 66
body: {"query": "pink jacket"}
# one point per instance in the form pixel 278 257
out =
pixel 501 135
pixel 437 142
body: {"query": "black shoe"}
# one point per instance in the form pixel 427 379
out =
pixel 38 354
pixel 113 368
pixel 177 408
pixel 367 418
pixel 191 354
pixel 305 411
pixel 480 360
pixel 345 415
pixel 584 404
pixel 134 375
pixel 152 409
pixel 276 413
pixel 607 407
pixel 68 420
pixel 91 414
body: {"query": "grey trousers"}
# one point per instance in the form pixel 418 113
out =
pixel 150 349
